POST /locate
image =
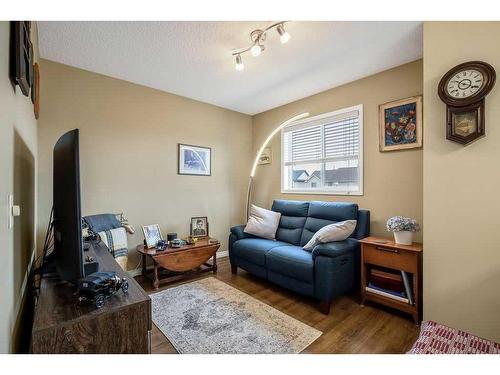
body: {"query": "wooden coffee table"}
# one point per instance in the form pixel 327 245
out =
pixel 173 264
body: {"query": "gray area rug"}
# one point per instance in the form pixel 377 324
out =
pixel 208 316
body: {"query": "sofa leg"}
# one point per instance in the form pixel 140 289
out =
pixel 234 269
pixel 324 307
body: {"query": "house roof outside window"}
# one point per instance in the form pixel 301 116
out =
pixel 340 175
pixel 300 175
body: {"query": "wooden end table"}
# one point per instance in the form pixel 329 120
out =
pixel 384 252
pixel 173 264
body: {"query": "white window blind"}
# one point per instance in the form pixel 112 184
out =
pixel 324 153
pixel 306 144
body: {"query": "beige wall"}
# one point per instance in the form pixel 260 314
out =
pixel 18 154
pixel 128 153
pixel 461 204
pixel 392 181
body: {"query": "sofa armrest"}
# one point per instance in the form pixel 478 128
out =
pixel 363 226
pixel 239 233
pixel 335 249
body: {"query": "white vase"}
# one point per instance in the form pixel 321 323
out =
pixel 404 237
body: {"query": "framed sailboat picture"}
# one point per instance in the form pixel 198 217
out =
pixel 195 160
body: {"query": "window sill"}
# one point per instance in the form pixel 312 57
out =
pixel 321 192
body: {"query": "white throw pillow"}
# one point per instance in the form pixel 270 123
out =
pixel 333 232
pixel 262 223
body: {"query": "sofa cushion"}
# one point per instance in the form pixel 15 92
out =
pixel 321 214
pixel 333 211
pixel 291 261
pixel 291 208
pixel 254 249
pixel 293 218
pixel 290 229
pixel 332 232
pixel 262 223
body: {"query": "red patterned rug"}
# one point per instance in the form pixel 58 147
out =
pixel 436 338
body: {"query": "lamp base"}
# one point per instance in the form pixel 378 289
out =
pixel 249 197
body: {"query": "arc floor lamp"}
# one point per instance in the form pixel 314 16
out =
pixel 259 153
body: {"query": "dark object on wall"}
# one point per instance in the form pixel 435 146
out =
pixel 21 59
pixel 122 325
pixel 463 89
pixel 99 286
pixel 35 91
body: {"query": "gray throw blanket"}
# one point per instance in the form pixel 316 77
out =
pixel 102 222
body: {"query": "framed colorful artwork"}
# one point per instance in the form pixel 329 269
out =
pixel 400 124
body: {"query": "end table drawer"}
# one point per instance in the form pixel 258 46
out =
pixel 389 257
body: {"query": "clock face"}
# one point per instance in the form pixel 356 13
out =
pixel 464 84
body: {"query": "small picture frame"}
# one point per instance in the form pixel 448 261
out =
pixel 152 234
pixel 199 226
pixel 266 157
pixel 194 160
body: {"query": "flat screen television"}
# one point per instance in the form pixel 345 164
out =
pixel 68 242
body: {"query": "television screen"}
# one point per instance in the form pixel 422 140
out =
pixel 68 245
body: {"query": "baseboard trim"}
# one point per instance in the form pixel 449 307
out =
pixel 222 254
pixel 20 298
pixel 138 271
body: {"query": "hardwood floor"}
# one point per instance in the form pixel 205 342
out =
pixel 349 328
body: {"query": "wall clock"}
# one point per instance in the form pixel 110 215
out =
pixel 463 90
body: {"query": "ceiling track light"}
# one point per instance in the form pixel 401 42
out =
pixel 284 36
pixel 239 63
pixel 258 37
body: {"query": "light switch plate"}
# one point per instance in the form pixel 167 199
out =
pixel 10 205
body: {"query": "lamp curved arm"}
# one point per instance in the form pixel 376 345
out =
pixel 259 153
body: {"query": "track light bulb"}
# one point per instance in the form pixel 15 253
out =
pixel 256 50
pixel 239 64
pixel 284 36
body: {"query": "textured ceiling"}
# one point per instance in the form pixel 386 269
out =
pixel 193 59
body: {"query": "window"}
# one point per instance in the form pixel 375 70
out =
pixel 324 154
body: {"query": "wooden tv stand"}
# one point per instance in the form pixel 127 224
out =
pixel 63 325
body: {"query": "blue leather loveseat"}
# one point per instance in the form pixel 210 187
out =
pixel 327 271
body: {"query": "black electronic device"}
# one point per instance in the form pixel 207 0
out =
pixel 67 222
pixel 99 286
pixel 171 236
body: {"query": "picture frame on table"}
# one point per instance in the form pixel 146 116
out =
pixel 199 226
pixel 194 160
pixel 400 124
pixel 152 234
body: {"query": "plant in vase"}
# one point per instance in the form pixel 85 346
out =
pixel 403 229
